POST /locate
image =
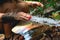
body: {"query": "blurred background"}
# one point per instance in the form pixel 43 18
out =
pixel 51 9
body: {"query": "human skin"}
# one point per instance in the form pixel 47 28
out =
pixel 23 6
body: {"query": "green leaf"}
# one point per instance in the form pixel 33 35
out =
pixel 57 17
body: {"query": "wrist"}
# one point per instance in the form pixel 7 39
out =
pixel 7 19
pixel 1 14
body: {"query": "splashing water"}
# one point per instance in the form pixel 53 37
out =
pixel 43 20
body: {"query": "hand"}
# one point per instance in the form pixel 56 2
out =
pixel 25 5
pixel 22 15
pixel 34 3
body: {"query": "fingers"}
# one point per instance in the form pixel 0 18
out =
pixel 23 16
pixel 38 4
pixel 34 3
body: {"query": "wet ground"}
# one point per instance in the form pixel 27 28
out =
pixel 51 34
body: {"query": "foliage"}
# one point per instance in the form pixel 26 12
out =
pixel 47 4
pixel 56 15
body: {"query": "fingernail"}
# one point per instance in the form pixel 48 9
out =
pixel 29 18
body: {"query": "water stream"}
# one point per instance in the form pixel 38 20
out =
pixel 47 21
pixel 44 20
